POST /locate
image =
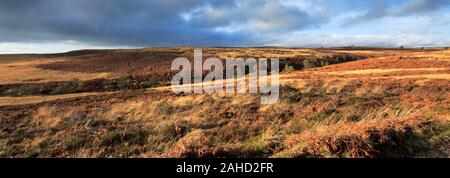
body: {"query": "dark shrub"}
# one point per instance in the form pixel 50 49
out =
pixel 153 82
pixel 61 90
pixel 22 91
pixel 308 64
pixel 124 82
pixel 66 88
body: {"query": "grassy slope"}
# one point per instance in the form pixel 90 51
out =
pixel 320 114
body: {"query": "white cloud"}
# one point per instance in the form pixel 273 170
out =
pixel 415 30
pixel 251 16
pixel 334 40
pixel 48 47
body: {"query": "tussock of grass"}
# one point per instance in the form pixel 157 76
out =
pixel 384 138
pixel 305 123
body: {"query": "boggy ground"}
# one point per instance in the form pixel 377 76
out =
pixel 392 104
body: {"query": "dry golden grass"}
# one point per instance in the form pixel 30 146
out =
pixel 374 53
pixel 381 71
pixel 359 112
pixel 363 139
pixel 404 65
pixel 438 55
pixel 426 76
pixel 28 72
pixel 194 144
pixel 269 53
pixel 47 117
pixel 4 101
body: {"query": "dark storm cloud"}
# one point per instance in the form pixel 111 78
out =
pixel 137 22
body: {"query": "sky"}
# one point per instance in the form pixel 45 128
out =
pixel 46 26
